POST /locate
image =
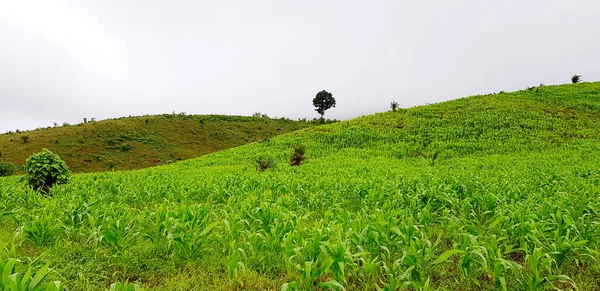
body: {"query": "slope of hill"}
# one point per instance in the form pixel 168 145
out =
pixel 488 192
pixel 138 142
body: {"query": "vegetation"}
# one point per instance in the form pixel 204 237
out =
pixel 264 163
pixel 298 155
pixel 6 168
pixel 323 101
pixel 576 79
pixel 46 169
pixel 511 203
pixel 394 106
pixel 139 142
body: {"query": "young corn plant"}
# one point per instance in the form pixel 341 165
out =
pixel 310 273
pixel 190 234
pixel 366 269
pixel 497 263
pixel 538 273
pixel 29 281
pixel 41 230
pixel 341 259
pixel 235 266
pixel 125 287
pixel 396 277
pixel 117 231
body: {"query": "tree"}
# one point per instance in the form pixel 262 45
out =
pixel 394 106
pixel 323 101
pixel 576 79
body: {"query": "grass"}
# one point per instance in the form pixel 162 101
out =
pixel 511 201
pixel 139 142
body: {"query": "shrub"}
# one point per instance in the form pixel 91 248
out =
pixel 298 155
pixel 576 79
pixel 6 168
pixel 262 164
pixel 44 170
pixel 25 138
pixel 125 147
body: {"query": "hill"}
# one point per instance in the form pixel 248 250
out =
pixel 137 142
pixel 489 192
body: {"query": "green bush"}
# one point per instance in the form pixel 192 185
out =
pixel 6 168
pixel 46 169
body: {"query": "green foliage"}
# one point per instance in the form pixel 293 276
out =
pixel 323 101
pixel 125 287
pixel 41 230
pixel 29 281
pixel 6 168
pixel 46 169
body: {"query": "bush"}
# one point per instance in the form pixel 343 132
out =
pixel 25 138
pixel 262 164
pixel 297 155
pixel 44 170
pixel 6 168
pixel 576 79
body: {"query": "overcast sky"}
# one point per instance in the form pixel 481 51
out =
pixel 65 60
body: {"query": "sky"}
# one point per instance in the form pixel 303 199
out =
pixel 61 61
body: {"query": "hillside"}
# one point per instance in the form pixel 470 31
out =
pixel 138 142
pixel 494 192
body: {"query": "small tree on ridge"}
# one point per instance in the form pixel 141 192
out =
pixel 323 101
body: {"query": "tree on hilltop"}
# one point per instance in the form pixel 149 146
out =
pixel 323 101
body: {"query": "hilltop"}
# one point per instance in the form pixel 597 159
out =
pixel 491 192
pixel 137 142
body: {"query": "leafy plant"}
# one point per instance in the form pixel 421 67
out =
pixel 576 79
pixel 46 169
pixel 25 138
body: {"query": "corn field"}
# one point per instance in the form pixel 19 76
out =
pixel 495 192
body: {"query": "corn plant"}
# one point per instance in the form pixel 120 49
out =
pixel 235 266
pixel 29 281
pixel 41 230
pixel 538 272
pixel 310 273
pixel 190 234
pixel 125 287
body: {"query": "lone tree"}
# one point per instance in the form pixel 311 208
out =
pixel 323 101
pixel 576 79
pixel 394 106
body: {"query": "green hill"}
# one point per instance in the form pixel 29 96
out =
pixel 489 192
pixel 137 142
